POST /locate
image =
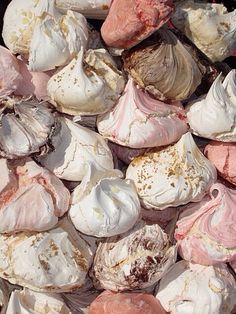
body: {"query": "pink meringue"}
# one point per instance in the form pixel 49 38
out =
pixel 206 231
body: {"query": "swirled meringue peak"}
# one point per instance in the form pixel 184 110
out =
pixel 213 116
pixel 74 146
pixel 133 260
pixel 139 121
pixel 30 302
pixel 173 176
pixel 90 84
pixel 206 231
pixel 52 261
pixel 104 204
pixel 31 197
pixel 195 289
pixel 164 66
pixel 209 26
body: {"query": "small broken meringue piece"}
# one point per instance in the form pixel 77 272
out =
pixel 213 116
pixel 90 84
pixel 173 176
pixel 104 204
pixel 74 146
pixel 53 261
pixel 196 289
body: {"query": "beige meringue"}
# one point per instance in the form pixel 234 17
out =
pixel 90 84
pixel 173 176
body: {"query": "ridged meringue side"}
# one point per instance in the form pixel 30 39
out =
pixel 196 289
pixel 206 231
pixel 104 204
pixel 133 260
pixel 54 261
pixel 173 176
pixel 90 84
pixel 214 116
pixel 139 121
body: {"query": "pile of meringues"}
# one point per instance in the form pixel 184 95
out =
pixel 117 158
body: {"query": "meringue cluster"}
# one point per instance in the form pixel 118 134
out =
pixel 117 158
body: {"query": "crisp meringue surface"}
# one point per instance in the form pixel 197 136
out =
pixel 104 204
pixel 90 84
pixel 214 116
pixel 133 260
pixel 196 289
pixel 173 176
pixel 206 231
pixel 53 261
pixel 139 121
pixel 74 146
pixel 31 302
pixel 209 26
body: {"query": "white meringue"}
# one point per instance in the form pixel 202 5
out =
pixel 90 84
pixel 174 176
pixel 214 116
pixel 74 146
pixel 104 205
pixel 195 289
pixel 57 260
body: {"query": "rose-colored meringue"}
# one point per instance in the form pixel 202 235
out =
pixel 206 231
pixel 139 121
pixel 223 156
pixel 130 21
pixel 31 197
pixel 128 303
pixel 195 289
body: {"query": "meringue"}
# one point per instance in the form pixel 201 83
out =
pixel 74 146
pixel 125 154
pixel 139 121
pixel 206 232
pixel 209 26
pixel 214 116
pixel 133 260
pixel 90 84
pixel 195 289
pixel 166 67
pixel 104 205
pixel 53 261
pixel 4 296
pixel 173 176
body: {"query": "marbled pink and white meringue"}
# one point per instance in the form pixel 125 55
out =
pixel 196 289
pixel 31 197
pixel 173 176
pixel 206 231
pixel 139 121
pixel 133 260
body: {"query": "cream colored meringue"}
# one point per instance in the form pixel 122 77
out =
pixel 194 289
pixel 30 302
pixel 4 296
pixel 53 261
pixel 104 204
pixel 139 121
pixel 74 146
pixel 173 176
pixel 133 260
pixel 209 26
pixel 214 116
pixel 90 84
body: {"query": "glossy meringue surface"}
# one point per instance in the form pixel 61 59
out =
pixel 139 121
pixel 173 176
pixel 196 289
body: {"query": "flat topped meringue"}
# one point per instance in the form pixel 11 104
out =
pixel 90 84
pixel 195 289
pixel 173 176
pixel 139 121
pixel 214 116
pixel 206 231
pixel 104 205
